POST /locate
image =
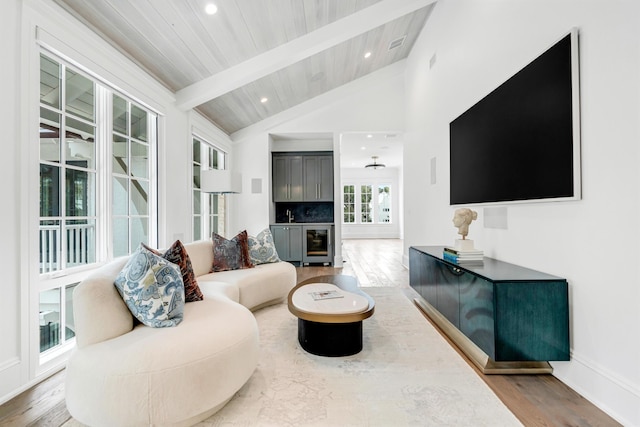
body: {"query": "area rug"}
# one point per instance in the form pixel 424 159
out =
pixel 406 375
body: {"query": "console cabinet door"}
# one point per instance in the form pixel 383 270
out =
pixel 477 312
pixel 532 321
pixel 418 272
pixel 423 276
pixel 447 291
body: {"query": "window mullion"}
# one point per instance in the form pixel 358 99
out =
pixel 152 140
pixel 62 186
pixel 104 136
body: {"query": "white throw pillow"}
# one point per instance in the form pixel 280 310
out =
pixel 152 288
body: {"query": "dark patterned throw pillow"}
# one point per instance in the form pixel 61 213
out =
pixel 178 255
pixel 230 254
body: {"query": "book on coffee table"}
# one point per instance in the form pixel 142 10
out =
pixel 319 295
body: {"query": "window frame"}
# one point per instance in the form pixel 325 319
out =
pixel 206 201
pixel 65 278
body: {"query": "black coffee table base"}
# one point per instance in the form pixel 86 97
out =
pixel 330 339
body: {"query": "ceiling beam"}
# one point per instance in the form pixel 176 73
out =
pixel 295 51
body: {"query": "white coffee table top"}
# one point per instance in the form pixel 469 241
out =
pixel 345 303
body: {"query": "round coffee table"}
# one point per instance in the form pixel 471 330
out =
pixel 330 324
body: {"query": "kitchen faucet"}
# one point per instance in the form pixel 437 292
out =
pixel 289 215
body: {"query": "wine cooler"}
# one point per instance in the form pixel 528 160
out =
pixel 317 244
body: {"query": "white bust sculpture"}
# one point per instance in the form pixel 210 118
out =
pixel 462 218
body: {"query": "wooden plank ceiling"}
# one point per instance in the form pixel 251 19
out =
pixel 287 51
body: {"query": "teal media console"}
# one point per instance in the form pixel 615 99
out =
pixel 505 318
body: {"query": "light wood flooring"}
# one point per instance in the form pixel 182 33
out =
pixel 536 400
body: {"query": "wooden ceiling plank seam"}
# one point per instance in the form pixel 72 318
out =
pixel 197 20
pixel 300 25
pixel 143 60
pixel 236 35
pixel 144 44
pixel 156 23
pixel 145 32
pixel 260 17
pixel 302 47
pixel 187 35
pixel 229 33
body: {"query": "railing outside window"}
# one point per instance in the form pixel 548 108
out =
pixel 80 239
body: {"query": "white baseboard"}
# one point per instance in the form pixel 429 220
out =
pixel 614 395
pixel 33 382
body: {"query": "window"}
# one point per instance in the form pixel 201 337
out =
pixel 96 155
pixel 56 317
pixel 374 207
pixel 67 168
pixel 366 197
pixel 384 203
pixel 208 209
pixel 130 176
pixel 349 204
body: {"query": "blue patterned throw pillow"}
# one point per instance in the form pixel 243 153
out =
pixel 152 288
pixel 262 250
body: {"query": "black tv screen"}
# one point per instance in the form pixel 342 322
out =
pixel 521 142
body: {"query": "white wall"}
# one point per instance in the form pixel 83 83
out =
pixel 592 242
pixel 13 369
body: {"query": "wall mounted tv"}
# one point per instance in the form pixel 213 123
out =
pixel 521 143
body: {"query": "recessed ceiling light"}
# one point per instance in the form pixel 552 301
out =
pixel 369 136
pixel 264 99
pixel 363 148
pixel 210 9
pixel 368 54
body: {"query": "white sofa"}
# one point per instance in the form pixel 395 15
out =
pixel 127 374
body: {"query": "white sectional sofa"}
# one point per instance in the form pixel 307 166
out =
pixel 128 374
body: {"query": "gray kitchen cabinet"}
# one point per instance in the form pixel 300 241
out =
pixel 301 177
pixel 287 178
pixel 318 178
pixel 288 241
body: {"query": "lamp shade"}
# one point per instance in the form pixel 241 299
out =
pixel 220 181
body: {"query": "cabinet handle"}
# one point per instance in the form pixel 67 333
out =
pixel 455 271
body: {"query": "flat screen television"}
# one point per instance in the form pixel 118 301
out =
pixel 521 142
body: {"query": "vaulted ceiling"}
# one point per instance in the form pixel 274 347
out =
pixel 255 58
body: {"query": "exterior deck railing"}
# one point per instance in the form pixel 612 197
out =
pixel 79 248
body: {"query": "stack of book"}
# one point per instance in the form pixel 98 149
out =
pixel 467 257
